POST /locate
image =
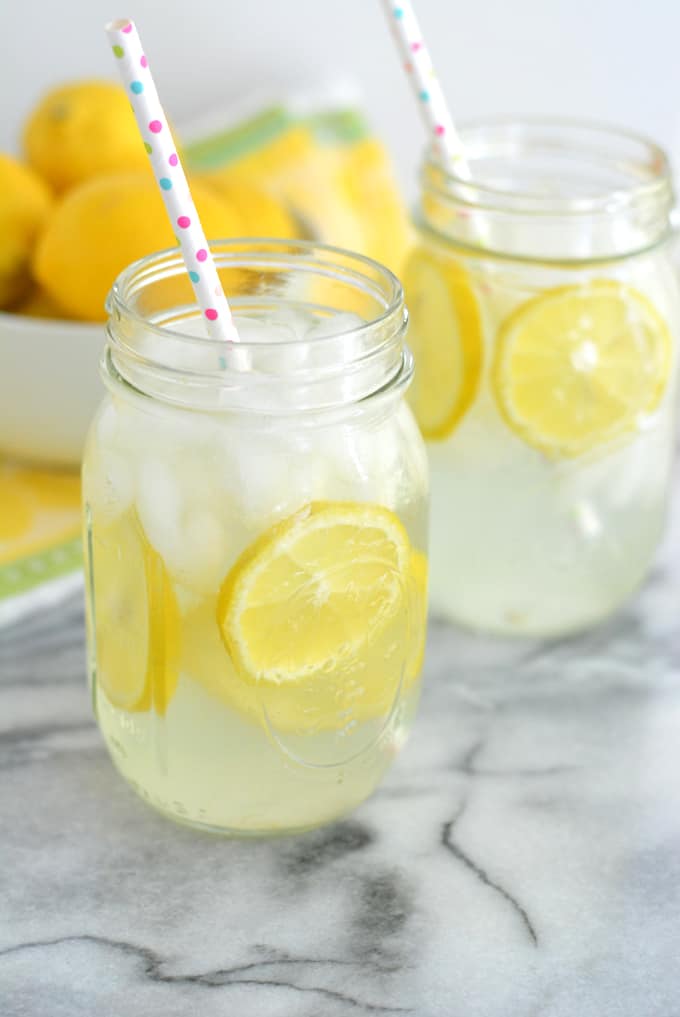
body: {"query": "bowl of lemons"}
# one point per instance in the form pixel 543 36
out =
pixel 50 345
pixel 80 203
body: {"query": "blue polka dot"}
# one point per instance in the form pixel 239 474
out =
pixel 137 87
pixel 194 276
pixel 398 13
pixel 424 96
pixel 166 183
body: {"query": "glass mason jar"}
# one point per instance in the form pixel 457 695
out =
pixel 255 519
pixel 544 322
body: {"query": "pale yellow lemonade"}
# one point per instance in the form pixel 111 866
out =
pixel 257 583
pixel 544 324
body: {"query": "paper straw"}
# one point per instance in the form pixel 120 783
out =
pixel 425 84
pixel 172 182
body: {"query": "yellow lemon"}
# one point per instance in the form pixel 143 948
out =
pixel 137 636
pixel 38 508
pixel 581 365
pixel 261 213
pixel 372 189
pixel 205 661
pixel 445 335
pixel 309 180
pixel 317 616
pixel 271 163
pixel 39 304
pixel 81 130
pixel 25 203
pixel 319 195
pixel 102 226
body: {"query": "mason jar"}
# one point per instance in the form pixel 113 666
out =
pixel 255 525
pixel 544 324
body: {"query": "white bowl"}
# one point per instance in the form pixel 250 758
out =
pixel 49 387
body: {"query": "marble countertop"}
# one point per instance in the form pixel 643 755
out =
pixel 522 859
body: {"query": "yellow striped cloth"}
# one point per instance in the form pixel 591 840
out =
pixel 39 526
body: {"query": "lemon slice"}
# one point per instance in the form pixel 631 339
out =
pixel 204 659
pixel 313 589
pixel 581 365
pixel 137 630
pixel 445 336
pixel 318 615
pixel 205 662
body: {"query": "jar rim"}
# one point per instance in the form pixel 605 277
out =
pixel 286 286
pixel 170 258
pixel 651 166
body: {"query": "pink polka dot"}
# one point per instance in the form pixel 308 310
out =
pixel 173 160
pixel 439 130
pixel 143 61
pixel 184 222
pixel 415 46
pixel 155 126
pixel 201 254
pixel 127 28
pixel 211 314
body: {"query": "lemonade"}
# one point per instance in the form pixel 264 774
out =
pixel 256 540
pixel 544 321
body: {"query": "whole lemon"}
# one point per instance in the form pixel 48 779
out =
pixel 80 130
pixel 25 203
pixel 39 304
pixel 106 223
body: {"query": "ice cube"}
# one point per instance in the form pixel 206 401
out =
pixel 159 504
pixel 334 325
pixel 270 474
pixel 107 425
pixel 280 327
pixel 201 559
pixel 587 520
pixel 283 333
pixel 109 483
pixel 379 460
pixel 187 599
pixel 632 474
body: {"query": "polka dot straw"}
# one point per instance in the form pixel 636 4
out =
pixel 153 125
pixel 418 66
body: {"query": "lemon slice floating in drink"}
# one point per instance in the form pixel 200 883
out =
pixel 581 365
pixel 133 595
pixel 445 336
pixel 322 614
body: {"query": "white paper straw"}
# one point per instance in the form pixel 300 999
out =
pixel 425 84
pixel 172 182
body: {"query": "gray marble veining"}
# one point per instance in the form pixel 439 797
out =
pixel 522 859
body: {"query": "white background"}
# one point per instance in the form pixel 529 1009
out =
pixel 616 60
